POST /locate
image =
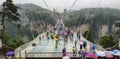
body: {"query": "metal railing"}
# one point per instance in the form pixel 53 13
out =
pixel 48 54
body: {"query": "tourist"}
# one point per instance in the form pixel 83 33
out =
pixel 78 36
pixel 81 44
pixel 83 53
pixel 75 42
pixel 74 50
pixel 52 35
pixel 84 44
pixel 70 36
pixel 91 48
pixel 66 39
pixel 56 44
pixel 64 52
pixel 40 39
pixel 8 57
pixel 94 47
pixel 47 35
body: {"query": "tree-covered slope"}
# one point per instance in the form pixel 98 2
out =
pixel 96 18
pixel 34 20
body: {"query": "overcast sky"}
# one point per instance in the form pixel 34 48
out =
pixel 59 5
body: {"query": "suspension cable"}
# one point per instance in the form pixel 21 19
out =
pixel 49 8
pixel 93 19
pixel 73 5
pixel 46 4
pixel 86 15
pixel 74 2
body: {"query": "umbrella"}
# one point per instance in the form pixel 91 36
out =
pixel 111 52
pixel 91 55
pixel 116 50
pixel 83 53
pixel 100 53
pixel 108 55
pixel 117 54
pixel 10 53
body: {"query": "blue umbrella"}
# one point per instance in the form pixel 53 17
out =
pixel 116 50
pixel 10 53
pixel 111 52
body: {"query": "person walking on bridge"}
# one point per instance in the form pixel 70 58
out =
pixel 74 50
pixel 84 44
pixel 75 42
pixel 64 52
pixel 57 39
pixel 78 36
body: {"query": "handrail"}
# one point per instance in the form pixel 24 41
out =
pixel 48 54
pixel 24 46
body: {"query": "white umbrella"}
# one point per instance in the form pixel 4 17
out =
pixel 65 57
pixel 117 54
pixel 100 53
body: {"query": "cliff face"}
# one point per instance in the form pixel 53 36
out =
pixel 100 21
pixel 33 18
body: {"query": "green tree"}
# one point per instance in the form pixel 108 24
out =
pixel 118 25
pixel 9 13
pixel 15 42
pixel 107 41
pixel 88 36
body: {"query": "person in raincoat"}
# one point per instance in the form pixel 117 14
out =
pixel 78 36
pixel 52 35
pixel 57 37
pixel 74 50
pixel 84 44
pixel 75 42
pixel 64 52
pixel 94 47
pixel 66 39
pixel 47 35
pixel 40 39
pixel 83 53
pixel 81 44
pixel 56 44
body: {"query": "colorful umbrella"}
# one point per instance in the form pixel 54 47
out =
pixel 91 55
pixel 100 53
pixel 10 53
pixel 116 50
pixel 108 55
pixel 111 52
pixel 117 54
pixel 83 53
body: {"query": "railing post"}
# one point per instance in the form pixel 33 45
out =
pixel 25 54
pixel 20 54
pixel 53 54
